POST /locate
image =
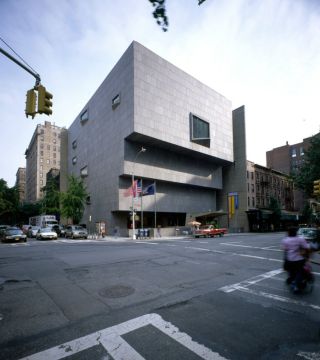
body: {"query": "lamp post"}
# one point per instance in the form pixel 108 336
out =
pixel 133 194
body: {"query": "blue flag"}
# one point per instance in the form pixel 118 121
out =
pixel 149 190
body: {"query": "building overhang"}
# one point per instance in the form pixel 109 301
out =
pixel 150 141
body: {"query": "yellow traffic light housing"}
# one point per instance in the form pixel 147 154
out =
pixel 44 101
pixel 31 103
pixel 316 188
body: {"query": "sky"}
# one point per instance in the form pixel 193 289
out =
pixel 261 54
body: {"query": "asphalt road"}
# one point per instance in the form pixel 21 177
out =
pixel 178 298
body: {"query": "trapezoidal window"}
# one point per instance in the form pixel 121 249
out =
pixel 199 131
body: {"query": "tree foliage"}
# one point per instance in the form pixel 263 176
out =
pixel 72 201
pixel 274 206
pixel 9 203
pixel 160 12
pixel 310 169
pixel 51 199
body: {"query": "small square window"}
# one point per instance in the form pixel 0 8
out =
pixel 84 117
pixel 115 101
pixel 84 171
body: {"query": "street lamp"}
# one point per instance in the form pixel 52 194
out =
pixel 133 194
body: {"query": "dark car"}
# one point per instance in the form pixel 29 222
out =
pixel 59 229
pixel 13 235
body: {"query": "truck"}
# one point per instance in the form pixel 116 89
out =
pixel 43 221
pixel 209 231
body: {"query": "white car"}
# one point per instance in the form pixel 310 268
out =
pixel 46 234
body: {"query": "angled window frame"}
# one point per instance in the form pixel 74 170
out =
pixel 84 116
pixel 199 130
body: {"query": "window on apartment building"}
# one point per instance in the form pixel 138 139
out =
pixel 54 134
pixel 54 162
pixel 41 182
pixel 41 153
pixel 248 201
pixel 248 187
pixel 293 152
pixel 48 147
pixel 41 160
pixel 252 176
pixel 41 167
pixel 42 138
pixel 41 146
pixel 200 131
pixel 41 175
pixel 252 187
pixel 48 161
pixel 253 202
pixel 74 144
pixel 301 151
pixel 84 117
pixel 54 148
pixel 74 160
pixel 115 101
pixel 54 141
pixel 84 171
pixel 54 155
pixel 247 174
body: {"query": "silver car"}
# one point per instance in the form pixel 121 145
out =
pixel 32 231
pixel 76 231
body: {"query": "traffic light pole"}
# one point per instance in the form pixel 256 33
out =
pixel 37 76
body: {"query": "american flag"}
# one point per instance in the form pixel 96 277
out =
pixel 137 187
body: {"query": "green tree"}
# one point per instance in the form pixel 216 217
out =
pixel 72 201
pixel 310 169
pixel 276 212
pixel 51 199
pixel 160 12
pixel 9 203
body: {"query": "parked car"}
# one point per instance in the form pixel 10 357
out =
pixel 32 232
pixel 3 228
pixel 59 229
pixel 13 234
pixel 76 231
pixel 46 234
pixel 25 228
pixel 312 235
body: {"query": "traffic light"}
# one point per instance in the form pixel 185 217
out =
pixel 31 103
pixel 44 101
pixel 316 187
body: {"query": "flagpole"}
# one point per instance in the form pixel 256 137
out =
pixel 155 205
pixel 141 224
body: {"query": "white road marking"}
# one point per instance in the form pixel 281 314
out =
pixel 204 249
pixel 196 248
pixel 251 281
pixel 146 242
pixel 251 247
pixel 278 297
pixel 183 240
pixel 257 257
pixel 203 242
pixel 110 338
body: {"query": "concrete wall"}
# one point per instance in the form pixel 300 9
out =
pixel 235 176
pixel 156 100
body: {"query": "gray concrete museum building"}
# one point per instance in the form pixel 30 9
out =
pixel 185 127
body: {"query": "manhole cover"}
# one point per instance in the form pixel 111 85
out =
pixel 116 291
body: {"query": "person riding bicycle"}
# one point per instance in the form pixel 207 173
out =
pixel 295 248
